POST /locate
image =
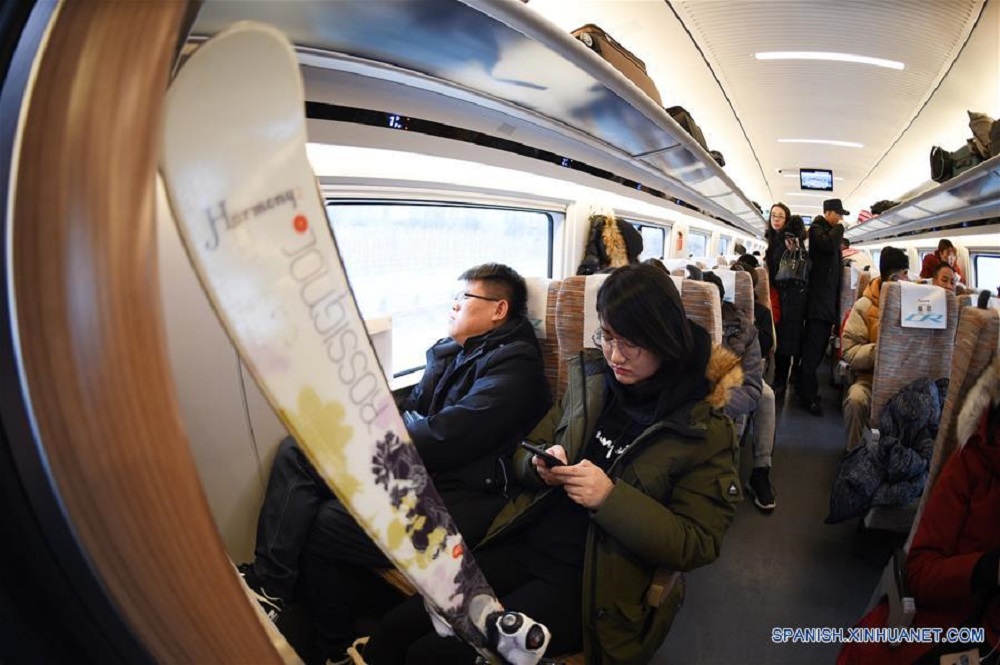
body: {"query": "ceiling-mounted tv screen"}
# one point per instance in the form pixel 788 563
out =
pixel 818 179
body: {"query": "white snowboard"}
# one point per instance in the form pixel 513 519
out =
pixel 255 228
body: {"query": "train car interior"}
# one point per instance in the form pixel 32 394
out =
pixel 137 444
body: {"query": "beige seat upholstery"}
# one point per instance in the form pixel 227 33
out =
pixel 543 318
pixel 976 343
pixel 571 318
pixel 863 280
pixel 975 346
pixel 700 299
pixel 763 290
pixel 902 356
pixel 848 295
pixel 703 306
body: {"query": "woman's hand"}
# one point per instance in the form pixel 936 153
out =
pixel 791 244
pixel 585 483
pixel 543 470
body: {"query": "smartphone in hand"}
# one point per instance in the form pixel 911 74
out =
pixel 550 460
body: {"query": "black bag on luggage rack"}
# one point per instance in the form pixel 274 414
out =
pixel 946 165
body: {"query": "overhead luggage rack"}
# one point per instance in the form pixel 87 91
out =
pixel 501 55
pixel 974 194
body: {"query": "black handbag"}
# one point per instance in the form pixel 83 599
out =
pixel 793 267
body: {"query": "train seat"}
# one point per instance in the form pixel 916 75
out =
pixel 902 356
pixel 542 296
pixel 977 341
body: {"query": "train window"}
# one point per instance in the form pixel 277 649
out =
pixel 653 241
pixel 697 244
pixel 724 245
pixel 403 261
pixel 874 267
pixel 987 270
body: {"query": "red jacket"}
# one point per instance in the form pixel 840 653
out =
pixel 931 262
pixel 960 524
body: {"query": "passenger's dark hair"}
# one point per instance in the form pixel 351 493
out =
pixel 656 263
pixel 641 304
pixel 749 261
pixel 712 278
pixel 892 260
pixel 846 242
pixel 943 245
pixel 983 302
pixel 503 282
pixel 939 267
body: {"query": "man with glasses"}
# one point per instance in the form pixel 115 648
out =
pixel 482 390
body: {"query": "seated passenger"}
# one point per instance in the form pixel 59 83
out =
pixel 483 389
pixel 649 480
pixel 860 337
pixel 852 257
pixel 943 275
pixel 753 397
pixel 945 253
pixel 953 568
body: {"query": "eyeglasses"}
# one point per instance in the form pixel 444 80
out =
pixel 628 350
pixel 462 297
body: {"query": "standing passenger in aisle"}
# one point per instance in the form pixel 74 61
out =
pixel 785 233
pixel 822 314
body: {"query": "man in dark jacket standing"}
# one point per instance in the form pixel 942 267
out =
pixel 482 390
pixel 825 235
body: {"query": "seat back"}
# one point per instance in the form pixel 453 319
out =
pixel 763 288
pixel 864 279
pixel 744 293
pixel 976 343
pixel 576 315
pixel 703 306
pixel 576 320
pixel 904 355
pixel 543 294
pixel 849 294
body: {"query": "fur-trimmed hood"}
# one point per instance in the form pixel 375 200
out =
pixel 984 395
pixel 724 373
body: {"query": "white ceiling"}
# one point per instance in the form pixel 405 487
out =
pixel 704 54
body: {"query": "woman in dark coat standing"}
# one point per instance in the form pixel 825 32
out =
pixel 785 232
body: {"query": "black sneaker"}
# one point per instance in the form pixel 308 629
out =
pixel 271 605
pixel 760 488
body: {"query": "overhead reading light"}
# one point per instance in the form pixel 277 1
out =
pixel 842 144
pixel 825 55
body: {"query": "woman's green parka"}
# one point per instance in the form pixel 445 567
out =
pixel 675 493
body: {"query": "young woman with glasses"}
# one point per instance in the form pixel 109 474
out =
pixel 785 232
pixel 649 482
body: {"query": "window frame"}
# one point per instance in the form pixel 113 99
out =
pixel 554 217
pixel 974 256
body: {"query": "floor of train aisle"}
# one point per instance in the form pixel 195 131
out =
pixel 787 568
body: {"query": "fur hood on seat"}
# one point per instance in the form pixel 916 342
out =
pixel 982 396
pixel 724 372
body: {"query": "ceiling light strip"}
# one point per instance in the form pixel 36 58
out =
pixel 830 56
pixel 841 144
